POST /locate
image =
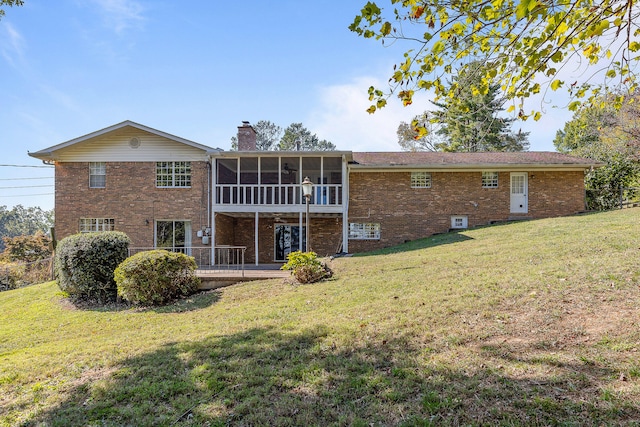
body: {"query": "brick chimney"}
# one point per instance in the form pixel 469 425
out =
pixel 246 137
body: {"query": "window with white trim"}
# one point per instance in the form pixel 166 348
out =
pixel 97 174
pixel 364 231
pixel 420 180
pixel 489 179
pixel 90 225
pixel 173 174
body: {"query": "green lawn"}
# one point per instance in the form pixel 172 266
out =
pixel 530 323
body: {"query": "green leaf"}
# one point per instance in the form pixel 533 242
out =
pixel 385 29
pixel 438 47
pixel 555 85
pixel 574 105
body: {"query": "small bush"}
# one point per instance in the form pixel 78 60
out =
pixel 306 267
pixel 10 274
pixel 15 274
pixel 84 265
pixel 156 277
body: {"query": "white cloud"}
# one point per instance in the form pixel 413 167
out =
pixel 62 99
pixel 121 15
pixel 341 117
pixel 13 47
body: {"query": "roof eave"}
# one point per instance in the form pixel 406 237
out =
pixel 479 166
pixel 277 153
pixel 118 126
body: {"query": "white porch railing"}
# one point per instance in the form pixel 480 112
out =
pixel 286 194
pixel 227 258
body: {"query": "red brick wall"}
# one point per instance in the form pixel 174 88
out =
pixel 406 213
pixel 130 197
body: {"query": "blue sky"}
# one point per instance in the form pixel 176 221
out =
pixel 193 69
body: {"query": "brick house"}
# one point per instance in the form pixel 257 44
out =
pixel 166 191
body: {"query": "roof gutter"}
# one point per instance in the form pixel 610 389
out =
pixel 474 167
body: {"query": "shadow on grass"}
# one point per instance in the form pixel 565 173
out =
pixel 197 301
pixel 267 377
pixel 427 242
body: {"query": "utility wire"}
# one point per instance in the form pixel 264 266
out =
pixel 27 195
pixel 26 166
pixel 25 186
pixel 20 179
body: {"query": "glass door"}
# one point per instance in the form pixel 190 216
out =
pixel 287 239
pixel 174 236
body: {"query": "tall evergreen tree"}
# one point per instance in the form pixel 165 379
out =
pixel 268 136
pixel 466 122
pixel 297 136
pixel 470 120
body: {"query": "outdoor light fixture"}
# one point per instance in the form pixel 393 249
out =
pixel 307 188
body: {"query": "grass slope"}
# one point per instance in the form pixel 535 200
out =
pixel 531 323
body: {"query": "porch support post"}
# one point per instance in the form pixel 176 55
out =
pixel 255 233
pixel 214 193
pixel 300 224
pixel 345 206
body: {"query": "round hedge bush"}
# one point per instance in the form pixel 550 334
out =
pixel 84 265
pixel 156 277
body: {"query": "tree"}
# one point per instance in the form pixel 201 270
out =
pixel 9 3
pixel 528 42
pixel 469 121
pixel 410 137
pixel 602 133
pixel 297 136
pixel 268 135
pixel 21 221
pixel 26 248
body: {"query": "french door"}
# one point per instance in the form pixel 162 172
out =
pixel 288 239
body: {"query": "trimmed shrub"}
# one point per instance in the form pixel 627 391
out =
pixel 306 267
pixel 84 265
pixel 156 277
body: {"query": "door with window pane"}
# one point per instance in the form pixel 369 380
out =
pixel 287 240
pixel 173 235
pixel 519 198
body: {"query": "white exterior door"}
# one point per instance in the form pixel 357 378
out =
pixel 519 193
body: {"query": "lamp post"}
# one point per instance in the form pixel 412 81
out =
pixel 307 188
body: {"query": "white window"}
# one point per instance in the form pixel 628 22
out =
pixel 420 180
pixel 459 221
pixel 173 174
pixel 90 225
pixel 489 179
pixel 364 231
pixel 97 174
